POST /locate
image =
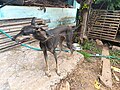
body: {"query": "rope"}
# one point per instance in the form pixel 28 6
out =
pixel 87 55
pixel 38 49
pixel 25 45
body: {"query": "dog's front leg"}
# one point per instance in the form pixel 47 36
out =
pixel 44 49
pixel 57 68
pixel 47 71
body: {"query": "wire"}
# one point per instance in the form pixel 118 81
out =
pixel 25 45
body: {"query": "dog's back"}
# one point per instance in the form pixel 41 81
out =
pixel 58 30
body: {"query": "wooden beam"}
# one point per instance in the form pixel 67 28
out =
pixel 106 77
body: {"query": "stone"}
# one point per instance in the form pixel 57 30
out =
pixel 23 69
pixel 99 42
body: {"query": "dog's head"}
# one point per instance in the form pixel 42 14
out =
pixel 40 33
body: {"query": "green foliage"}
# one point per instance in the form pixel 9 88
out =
pixel 85 54
pixel 116 54
pixel 112 4
pixel 91 45
pixel 85 6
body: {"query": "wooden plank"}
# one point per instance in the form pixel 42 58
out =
pixel 14 46
pixel 103 26
pixel 18 23
pixel 15 19
pixel 7 41
pixel 97 37
pixel 13 27
pixel 113 40
pixel 104 18
pixel 112 25
pixel 106 77
pixel 100 36
pixel 4 45
pixel 110 16
pixel 110 19
pixel 103 34
pixel 7 44
pixel 2 36
pixel 12 31
pixel 103 31
pixel 114 16
pixel 106 21
pixel 111 29
pixel 17 27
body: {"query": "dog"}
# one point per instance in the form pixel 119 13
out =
pixel 49 40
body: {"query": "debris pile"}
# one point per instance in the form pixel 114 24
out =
pixel 43 3
pixel 48 3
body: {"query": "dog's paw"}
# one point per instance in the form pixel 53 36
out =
pixel 13 39
pixel 57 72
pixel 47 73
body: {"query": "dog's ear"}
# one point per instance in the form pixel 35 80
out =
pixel 34 27
pixel 33 21
pixel 42 29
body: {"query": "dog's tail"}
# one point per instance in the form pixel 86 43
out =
pixel 75 28
pixel 33 21
pixel 19 34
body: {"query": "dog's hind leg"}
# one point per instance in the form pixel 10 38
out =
pixel 62 38
pixel 47 71
pixel 69 41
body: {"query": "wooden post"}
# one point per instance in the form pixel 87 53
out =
pixel 84 16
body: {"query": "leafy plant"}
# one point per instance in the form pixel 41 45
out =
pixel 115 53
pixel 111 4
pixel 91 45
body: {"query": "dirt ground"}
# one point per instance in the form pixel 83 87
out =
pixel 84 76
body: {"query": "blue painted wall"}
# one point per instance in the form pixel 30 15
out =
pixel 54 14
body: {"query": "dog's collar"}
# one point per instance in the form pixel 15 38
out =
pixel 47 38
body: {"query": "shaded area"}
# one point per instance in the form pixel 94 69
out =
pixel 51 3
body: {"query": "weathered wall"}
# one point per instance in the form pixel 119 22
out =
pixel 54 14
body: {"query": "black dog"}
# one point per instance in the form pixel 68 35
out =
pixel 49 39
